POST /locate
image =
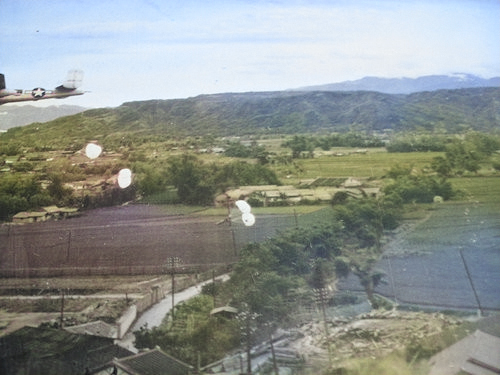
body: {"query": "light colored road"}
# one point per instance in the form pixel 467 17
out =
pixel 155 314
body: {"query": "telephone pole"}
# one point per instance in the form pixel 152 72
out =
pixel 173 263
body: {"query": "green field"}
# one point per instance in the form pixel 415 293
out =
pixel 481 189
pixel 373 164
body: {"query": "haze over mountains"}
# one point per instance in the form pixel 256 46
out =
pixel 409 85
pixel 12 116
pixel 372 103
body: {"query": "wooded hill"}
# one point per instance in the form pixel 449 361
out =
pixel 282 112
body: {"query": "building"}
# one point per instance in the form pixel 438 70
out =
pixel 476 354
pixel 47 351
pixel 47 213
pixel 151 362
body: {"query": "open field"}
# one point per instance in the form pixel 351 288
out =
pixel 479 189
pixel 134 240
pixel 139 239
pixel 373 164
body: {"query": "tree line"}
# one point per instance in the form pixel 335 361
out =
pixel 274 278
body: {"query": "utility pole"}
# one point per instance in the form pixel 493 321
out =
pixel 321 297
pixel 61 319
pixel 275 364
pixel 173 263
pixel 467 271
pixel 214 291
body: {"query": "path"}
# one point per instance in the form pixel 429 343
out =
pixel 154 316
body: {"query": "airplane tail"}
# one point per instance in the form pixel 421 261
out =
pixel 73 80
pixel 2 82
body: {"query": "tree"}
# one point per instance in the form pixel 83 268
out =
pixel 442 166
pixel 192 181
pixel 299 144
pixel 57 189
pixel 362 265
pixel 410 185
pixel 193 332
pixel 150 178
pixel 468 153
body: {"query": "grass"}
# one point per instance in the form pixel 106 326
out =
pixel 484 189
pixel 373 164
pixel 281 210
pixel 393 364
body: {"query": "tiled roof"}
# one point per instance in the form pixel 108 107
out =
pixel 477 354
pixel 153 362
pixel 96 328
pixel 38 350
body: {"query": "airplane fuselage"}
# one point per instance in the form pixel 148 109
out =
pixel 68 88
pixel 11 96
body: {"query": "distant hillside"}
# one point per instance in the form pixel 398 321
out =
pixel 409 85
pixel 273 113
pixel 11 116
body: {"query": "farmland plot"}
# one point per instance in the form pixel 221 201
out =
pixel 450 260
pixel 137 239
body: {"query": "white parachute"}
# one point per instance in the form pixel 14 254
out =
pixel 247 217
pixel 93 150
pixel 124 178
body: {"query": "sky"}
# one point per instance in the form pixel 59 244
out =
pixel 164 49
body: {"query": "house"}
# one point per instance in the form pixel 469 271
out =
pixel 57 213
pixel 352 183
pixel 47 351
pixel 227 312
pixel 476 354
pixel 29 217
pixel 151 362
pixel 49 212
pixel 95 328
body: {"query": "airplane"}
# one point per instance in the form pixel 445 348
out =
pixel 68 88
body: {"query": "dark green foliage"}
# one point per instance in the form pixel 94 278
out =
pixel 349 139
pixel 193 332
pixel 151 178
pixel 197 182
pixel 468 153
pixel 342 267
pixel 409 186
pixel 273 279
pixel 192 181
pixel 20 193
pixel 321 273
pixel 57 189
pixel 442 166
pixel 364 219
pixel 418 143
pixel 238 150
pixel 299 144
pixel 242 173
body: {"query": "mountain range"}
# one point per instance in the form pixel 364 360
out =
pixel 409 85
pixel 269 113
pixel 277 112
pixel 20 115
